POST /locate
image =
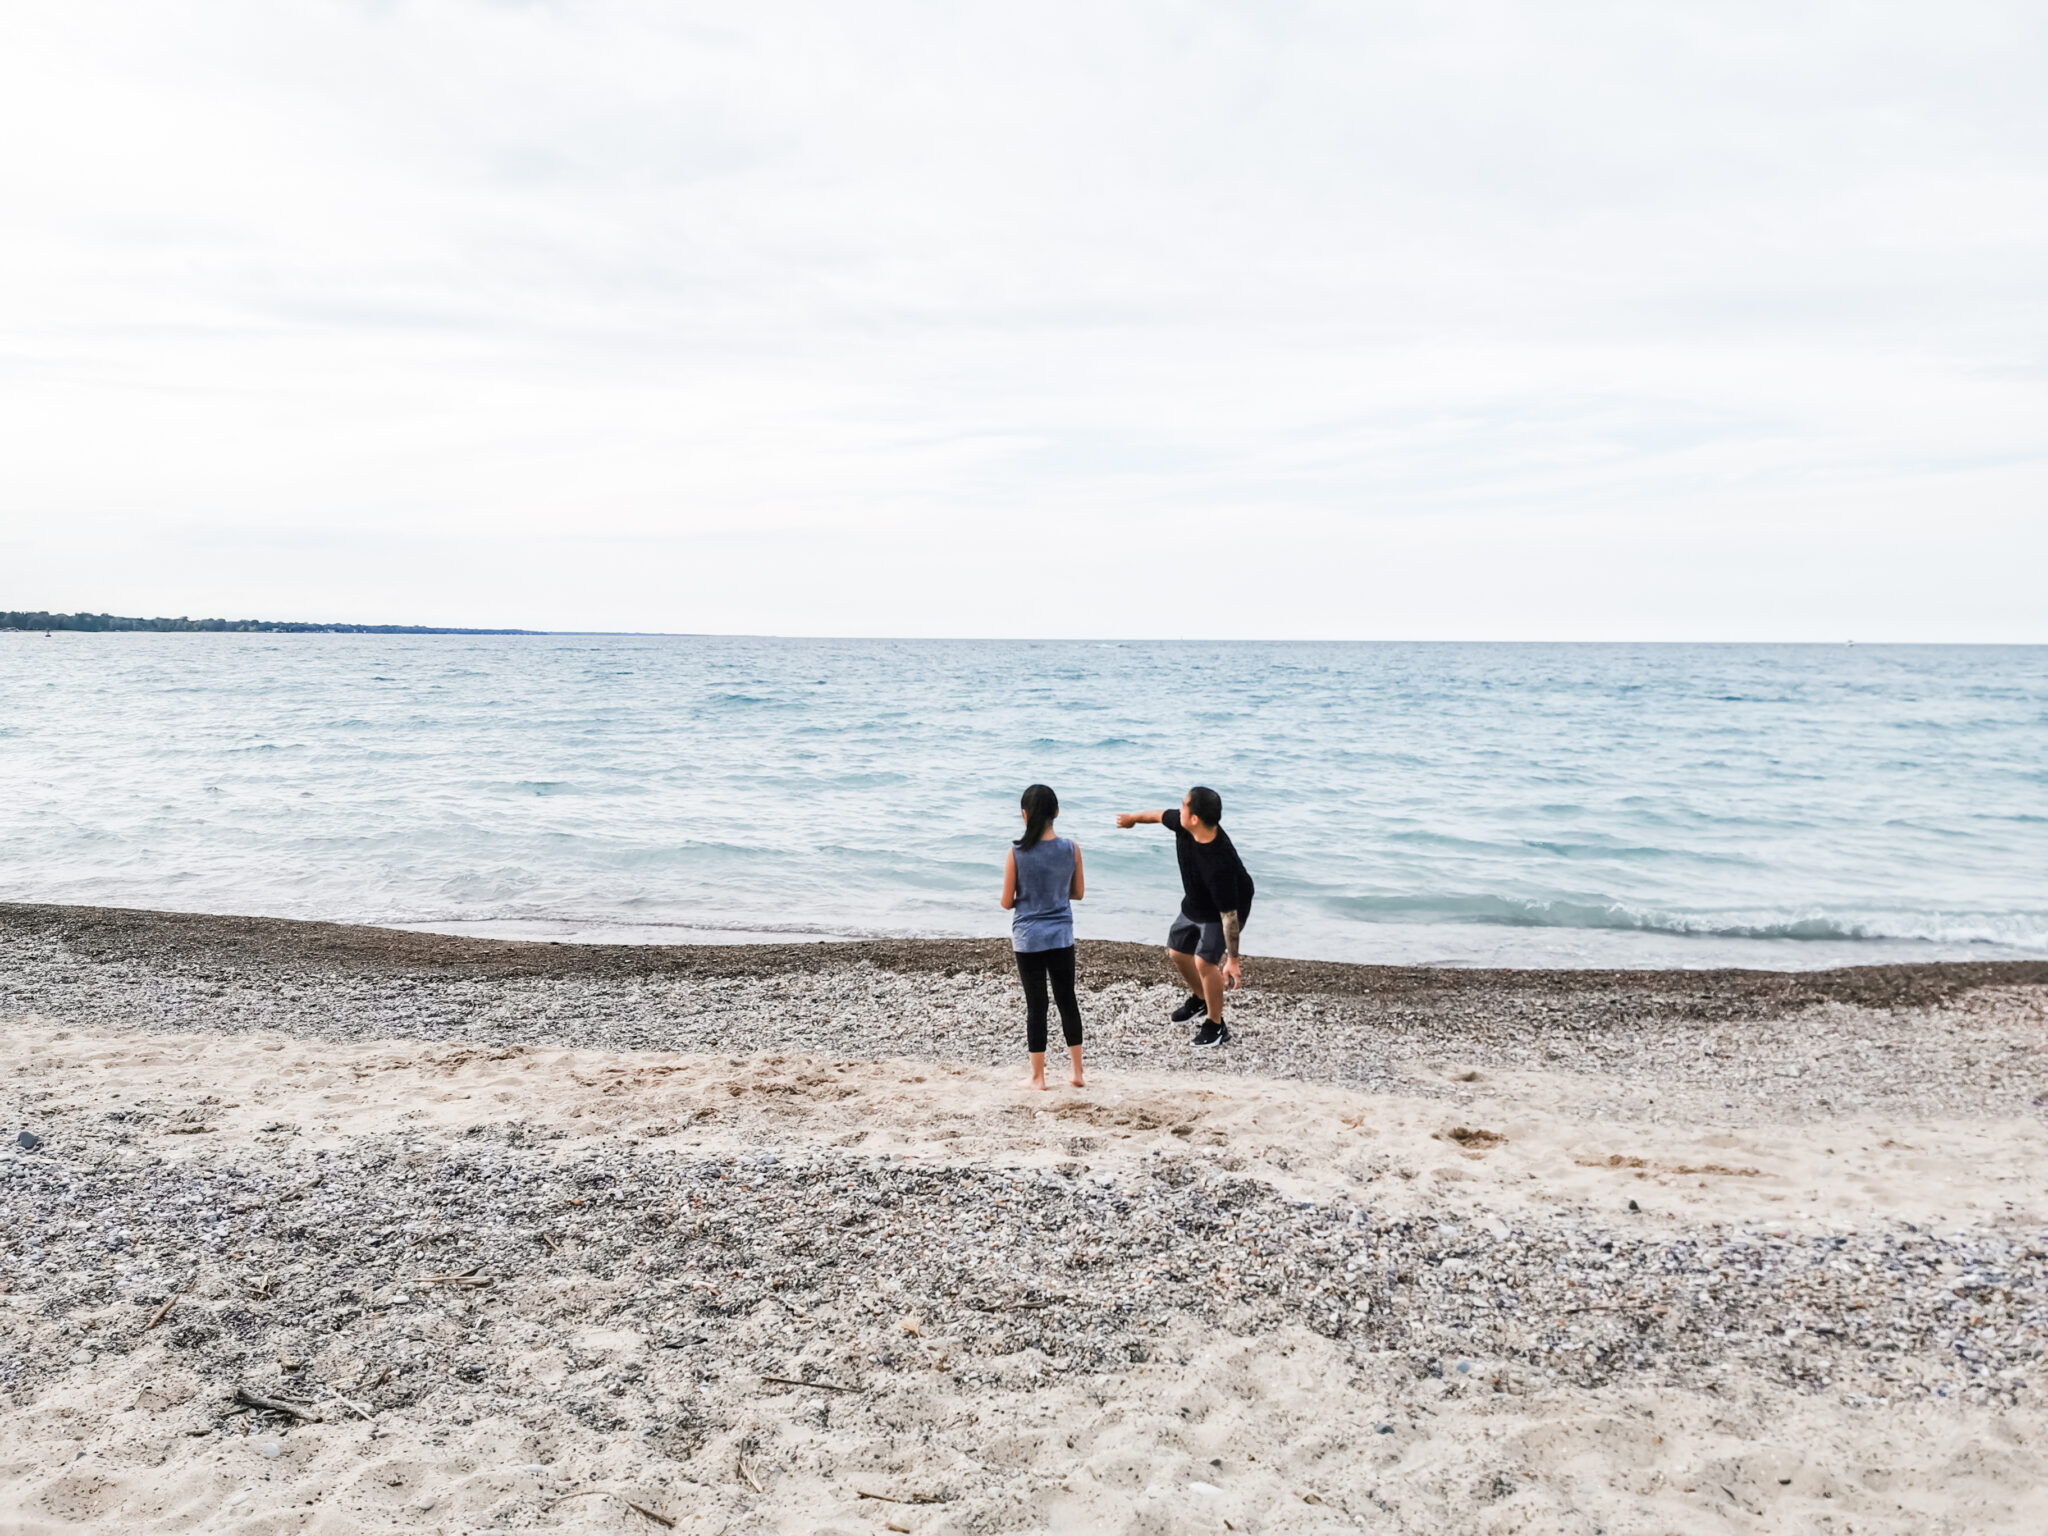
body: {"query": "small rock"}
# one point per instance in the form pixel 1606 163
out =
pixel 28 1141
pixel 271 1449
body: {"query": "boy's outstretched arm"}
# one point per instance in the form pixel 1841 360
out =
pixel 1139 818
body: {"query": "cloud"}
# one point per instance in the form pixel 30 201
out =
pixel 1591 320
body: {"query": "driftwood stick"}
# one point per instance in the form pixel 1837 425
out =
pixel 161 1312
pixel 822 1386
pixel 250 1399
pixel 890 1498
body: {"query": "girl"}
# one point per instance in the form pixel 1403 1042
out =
pixel 1041 881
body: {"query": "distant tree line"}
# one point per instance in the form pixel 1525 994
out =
pixel 114 621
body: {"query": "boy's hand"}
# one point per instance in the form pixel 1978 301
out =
pixel 1233 974
pixel 1126 821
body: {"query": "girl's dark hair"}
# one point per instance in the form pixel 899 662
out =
pixel 1040 806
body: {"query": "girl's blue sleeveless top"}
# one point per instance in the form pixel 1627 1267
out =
pixel 1044 915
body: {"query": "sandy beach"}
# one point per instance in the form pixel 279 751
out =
pixel 312 1228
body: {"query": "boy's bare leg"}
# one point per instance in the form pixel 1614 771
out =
pixel 1073 1051
pixel 1210 978
pixel 1189 970
pixel 1037 1078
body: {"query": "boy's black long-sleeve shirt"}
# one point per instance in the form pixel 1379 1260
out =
pixel 1213 879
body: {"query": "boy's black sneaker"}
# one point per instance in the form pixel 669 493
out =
pixel 1190 1009
pixel 1212 1034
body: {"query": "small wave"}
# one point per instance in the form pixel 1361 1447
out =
pixel 2020 930
pixel 479 924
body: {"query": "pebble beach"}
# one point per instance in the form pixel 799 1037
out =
pixel 316 1228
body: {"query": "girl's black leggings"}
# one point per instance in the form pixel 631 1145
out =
pixel 1037 966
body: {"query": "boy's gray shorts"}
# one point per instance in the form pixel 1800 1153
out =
pixel 1192 938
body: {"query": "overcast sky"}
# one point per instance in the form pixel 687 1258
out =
pixel 1715 321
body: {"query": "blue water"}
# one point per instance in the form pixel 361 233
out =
pixel 1781 806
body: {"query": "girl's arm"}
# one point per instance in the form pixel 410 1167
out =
pixel 1080 886
pixel 1010 881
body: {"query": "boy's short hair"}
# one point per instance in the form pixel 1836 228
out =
pixel 1206 803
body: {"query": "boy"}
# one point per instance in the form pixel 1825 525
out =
pixel 1216 900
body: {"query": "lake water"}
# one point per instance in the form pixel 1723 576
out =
pixel 1545 805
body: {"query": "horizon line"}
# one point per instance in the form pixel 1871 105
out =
pixel 122 625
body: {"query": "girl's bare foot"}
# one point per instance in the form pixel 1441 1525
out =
pixel 1035 1082
pixel 1076 1081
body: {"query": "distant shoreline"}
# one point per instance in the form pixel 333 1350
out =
pixel 113 623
